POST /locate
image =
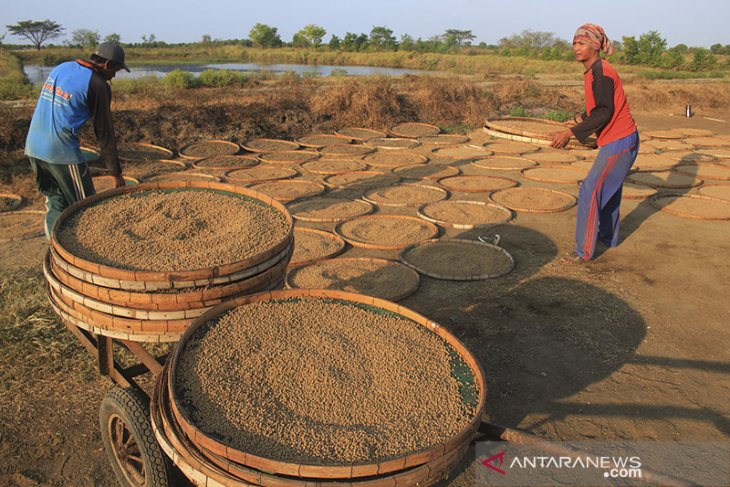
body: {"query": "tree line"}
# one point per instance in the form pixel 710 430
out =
pixel 650 49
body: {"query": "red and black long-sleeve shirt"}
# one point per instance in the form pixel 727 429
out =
pixel 607 112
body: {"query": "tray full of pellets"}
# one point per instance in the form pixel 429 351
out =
pixel 380 278
pixel 533 200
pixel 326 385
pixel 441 140
pixel 138 152
pixel 270 145
pixel 225 163
pixel 393 143
pixel 504 163
pixel 386 232
pixel 405 195
pixel 288 157
pixel 692 206
pixel 465 215
pixel 262 172
pixel 318 141
pixel 426 171
pixel 414 130
pixel 394 159
pixel 564 174
pixel 360 134
pixel 458 260
pixel 329 209
pixel 311 245
pixel 329 166
pixel 476 183
pixel 141 262
pixel 201 149
pixel 345 150
pixel 286 190
pixel 148 169
pixel 182 176
pixel 361 179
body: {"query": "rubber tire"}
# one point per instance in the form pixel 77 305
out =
pixel 133 407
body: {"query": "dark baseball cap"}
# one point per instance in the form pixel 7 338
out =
pixel 111 51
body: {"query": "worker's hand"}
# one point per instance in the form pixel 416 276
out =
pixel 119 181
pixel 561 138
pixel 572 123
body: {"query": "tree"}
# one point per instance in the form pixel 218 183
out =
pixel 148 39
pixel 353 42
pixel 407 43
pixel 113 37
pixel 528 39
pixel 334 43
pixel 263 35
pixel 86 38
pixel 651 48
pixel 716 49
pixel 309 36
pixel 36 31
pixel 206 39
pixel 382 38
pixel 703 60
pixel 631 50
pixel 673 58
pixel 455 37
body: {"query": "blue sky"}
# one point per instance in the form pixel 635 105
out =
pixel 696 23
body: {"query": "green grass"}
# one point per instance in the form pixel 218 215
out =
pixel 13 83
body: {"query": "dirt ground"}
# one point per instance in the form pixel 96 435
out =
pixel 633 346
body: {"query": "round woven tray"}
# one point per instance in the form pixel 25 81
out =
pixel 258 173
pixel 207 148
pixel 110 272
pixel 572 143
pixel 717 152
pixel 360 134
pixel 414 130
pixel 288 157
pixel 167 414
pixel 405 195
pixel 317 141
pixel 668 145
pixel 721 191
pixel 286 190
pixel 693 206
pixel 555 174
pixel 339 166
pixel 637 192
pixel 526 126
pixel 426 171
pixel 654 162
pixel 690 132
pixel 90 154
pixel 664 179
pixel 345 150
pixel 394 143
pixel 512 148
pixel 462 152
pixel 380 278
pixel 361 179
pixel 716 172
pixel 441 140
pixel 689 157
pixel 504 163
pixel 708 142
pixel 465 215
pixel 329 209
pixel 103 183
pixel 533 200
pixel 391 159
pixel 182 176
pixel 225 163
pixel 663 134
pixel 140 152
pixel 10 201
pixel 312 245
pixel 458 260
pixel 476 184
pixel 369 231
pixel 549 157
pixel 147 169
pixel 270 145
pixel 21 225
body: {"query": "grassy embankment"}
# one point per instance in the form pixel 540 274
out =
pixel 13 83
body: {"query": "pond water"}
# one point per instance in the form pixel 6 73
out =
pixel 38 74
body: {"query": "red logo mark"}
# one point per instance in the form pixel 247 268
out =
pixel 499 456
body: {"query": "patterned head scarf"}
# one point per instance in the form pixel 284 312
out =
pixel 595 36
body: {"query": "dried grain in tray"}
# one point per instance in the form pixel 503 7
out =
pixel 392 143
pixel 708 142
pixel 333 166
pixel 664 179
pixel 719 190
pixel 345 150
pixel 148 169
pixel 225 163
pixel 511 148
pixel 21 225
pixel 654 162
pixel 696 207
pixel 462 152
pixel 329 209
pixel 426 171
pixel 208 148
pixel 262 172
pixel 361 179
pixel 719 152
pixel 442 140
pixel 549 157
pixel 387 232
pixel 663 134
pixel 533 200
pixel 270 145
pixel 465 215
pixel 476 183
pixel 137 152
pixel 632 191
pixel 565 174
pixel 405 195
pixel 360 134
pixel 392 159
pixel 504 163
pixel 716 172
pixel 311 245
pixel 380 278
pixel 287 190
pixel 318 141
pixel 288 157
pixel 458 260
pixel 691 132
pixel 669 145
pixel 414 130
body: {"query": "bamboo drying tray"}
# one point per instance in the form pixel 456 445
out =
pixel 692 206
pixel 499 214
pixel 476 183
pixel 394 225
pixel 664 179
pixel 504 163
pixel 104 183
pixel 531 130
pixel 333 243
pixel 225 163
pixel 346 150
pixel 392 143
pixel 442 140
pixel 716 172
pixel 181 177
pixel 426 171
pixel 262 172
pixel 270 145
pixel 392 159
pixel 360 134
pixel 460 260
pixel 288 157
pixel 418 195
pixel 721 191
pixel 533 200
pixel 361 179
pixel 140 152
pixel 572 144
pixel 201 149
pixel 287 190
pixel 414 130
pixel 564 174
pixel 327 210
pixel 338 166
pixel 318 141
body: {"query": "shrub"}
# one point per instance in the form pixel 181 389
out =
pixel 218 78
pixel 518 112
pixel 179 80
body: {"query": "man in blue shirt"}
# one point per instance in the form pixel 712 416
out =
pixel 74 92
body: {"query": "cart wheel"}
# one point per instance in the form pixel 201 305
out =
pixel 130 444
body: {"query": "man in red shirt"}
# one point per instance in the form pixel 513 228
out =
pixel 609 117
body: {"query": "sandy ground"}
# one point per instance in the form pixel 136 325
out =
pixel 633 346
